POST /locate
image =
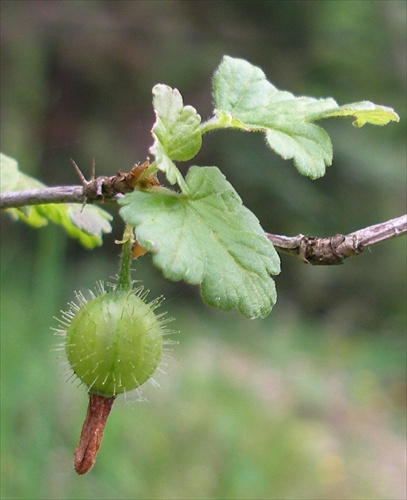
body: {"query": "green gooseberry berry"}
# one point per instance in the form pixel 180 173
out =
pixel 114 342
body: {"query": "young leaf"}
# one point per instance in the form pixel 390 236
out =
pixel 245 99
pixel 365 112
pixel 87 226
pixel 176 131
pixel 209 238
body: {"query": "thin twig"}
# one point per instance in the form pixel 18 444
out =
pixel 99 190
pixel 59 194
pixel 310 249
pixel 335 249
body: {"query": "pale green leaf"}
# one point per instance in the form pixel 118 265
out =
pixel 242 92
pixel 306 143
pixel 245 99
pixel 365 112
pixel 87 225
pixel 166 165
pixel 176 131
pixel 209 238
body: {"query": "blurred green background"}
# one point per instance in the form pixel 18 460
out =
pixel 309 403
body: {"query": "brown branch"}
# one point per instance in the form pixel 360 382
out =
pixel 310 249
pixel 335 249
pixel 59 194
pixel 97 190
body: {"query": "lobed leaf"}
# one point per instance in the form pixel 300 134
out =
pixel 87 225
pixel 176 131
pixel 207 237
pixel 245 99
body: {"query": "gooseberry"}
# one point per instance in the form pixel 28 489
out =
pixel 114 342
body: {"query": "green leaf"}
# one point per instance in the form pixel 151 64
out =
pixel 307 144
pixel 87 225
pixel 176 131
pixel 365 112
pixel 14 180
pixel 245 99
pixel 209 238
pixel 242 92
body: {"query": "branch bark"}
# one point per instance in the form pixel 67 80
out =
pixel 59 194
pixel 332 250
pixel 99 190
pixel 335 249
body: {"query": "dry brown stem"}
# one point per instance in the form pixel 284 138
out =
pixel 92 432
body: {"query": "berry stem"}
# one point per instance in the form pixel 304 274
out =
pixel 124 282
pixel 92 432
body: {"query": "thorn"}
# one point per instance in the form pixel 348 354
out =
pixel 83 180
pixel 80 174
pixel 93 170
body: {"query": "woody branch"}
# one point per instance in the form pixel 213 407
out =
pixel 310 249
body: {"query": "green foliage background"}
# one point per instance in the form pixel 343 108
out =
pixel 305 404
